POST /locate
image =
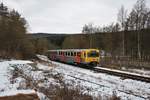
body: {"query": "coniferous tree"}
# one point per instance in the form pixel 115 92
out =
pixel 13 37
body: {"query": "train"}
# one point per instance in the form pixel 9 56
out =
pixel 88 57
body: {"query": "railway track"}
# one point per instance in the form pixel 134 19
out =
pixel 123 74
pixel 122 91
pixel 126 92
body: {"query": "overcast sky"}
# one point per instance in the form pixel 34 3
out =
pixel 67 16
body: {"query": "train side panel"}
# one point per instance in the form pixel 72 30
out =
pixel 73 56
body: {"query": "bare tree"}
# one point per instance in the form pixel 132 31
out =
pixel 89 29
pixel 148 19
pixel 122 17
pixel 138 19
pixel 139 11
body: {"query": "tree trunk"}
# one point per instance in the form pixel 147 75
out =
pixel 139 45
pixel 123 44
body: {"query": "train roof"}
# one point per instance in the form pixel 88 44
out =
pixel 77 50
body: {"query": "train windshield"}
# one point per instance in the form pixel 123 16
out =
pixel 93 54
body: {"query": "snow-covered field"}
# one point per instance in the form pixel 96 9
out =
pixel 7 87
pixel 5 76
pixel 91 83
pixel 105 84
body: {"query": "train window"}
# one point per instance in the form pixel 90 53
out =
pixel 74 53
pixel 93 54
pixel 71 53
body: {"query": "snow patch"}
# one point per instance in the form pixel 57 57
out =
pixel 15 92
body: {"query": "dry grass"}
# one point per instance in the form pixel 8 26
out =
pixel 64 93
pixel 127 62
pixel 60 91
pixel 114 97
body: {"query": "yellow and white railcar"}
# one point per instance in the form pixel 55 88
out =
pixel 90 57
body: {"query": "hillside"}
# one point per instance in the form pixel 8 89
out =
pixel 110 42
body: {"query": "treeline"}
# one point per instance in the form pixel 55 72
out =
pixel 137 19
pixel 110 42
pixel 14 41
pixel 130 34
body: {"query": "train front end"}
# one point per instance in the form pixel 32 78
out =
pixel 92 57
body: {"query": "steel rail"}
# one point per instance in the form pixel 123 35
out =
pixel 137 77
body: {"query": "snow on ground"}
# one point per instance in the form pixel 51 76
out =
pixel 42 57
pixel 106 84
pixel 91 82
pixel 7 88
pixel 5 75
pixel 140 71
